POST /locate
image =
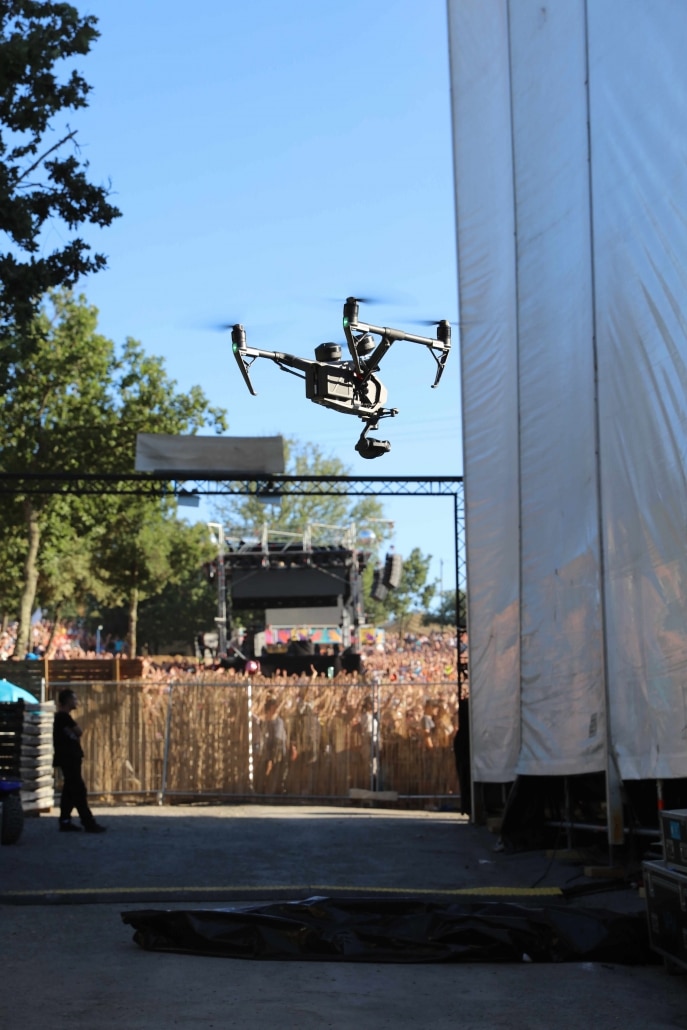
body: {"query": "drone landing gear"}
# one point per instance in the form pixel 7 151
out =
pixel 371 448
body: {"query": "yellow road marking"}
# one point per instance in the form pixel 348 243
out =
pixel 264 888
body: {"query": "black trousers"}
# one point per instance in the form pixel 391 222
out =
pixel 74 795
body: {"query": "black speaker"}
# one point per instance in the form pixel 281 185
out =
pixel 393 569
pixel 379 590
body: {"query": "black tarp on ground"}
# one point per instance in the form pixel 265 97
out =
pixel 359 930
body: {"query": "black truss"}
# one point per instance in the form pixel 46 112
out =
pixel 266 487
pixel 146 484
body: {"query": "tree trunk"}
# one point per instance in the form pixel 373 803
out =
pixel 133 622
pixel 53 628
pixel 28 594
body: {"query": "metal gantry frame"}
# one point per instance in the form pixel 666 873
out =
pixel 185 485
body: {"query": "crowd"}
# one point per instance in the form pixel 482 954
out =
pixel 394 719
pixel 328 740
pixel 60 640
pixel 415 658
pixel 434 657
pixel 420 659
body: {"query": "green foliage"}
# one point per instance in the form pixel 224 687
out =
pixel 42 178
pixel 55 406
pixel 245 516
pixel 445 614
pixel 65 568
pixel 181 611
pixel 77 405
pixel 143 551
pixel 12 543
pixel 414 593
pixel 145 400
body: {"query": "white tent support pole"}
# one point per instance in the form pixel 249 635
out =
pixel 614 800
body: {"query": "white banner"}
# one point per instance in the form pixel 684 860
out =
pixel 195 455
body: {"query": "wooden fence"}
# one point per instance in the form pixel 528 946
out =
pixel 178 739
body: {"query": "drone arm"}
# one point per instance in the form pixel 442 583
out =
pixel 350 340
pixel 439 347
pixel 372 362
pixel 441 364
pixel 274 355
pixel 285 361
pixel 240 355
pixel 441 343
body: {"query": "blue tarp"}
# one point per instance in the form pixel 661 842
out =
pixel 11 692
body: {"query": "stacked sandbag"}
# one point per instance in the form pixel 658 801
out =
pixel 36 769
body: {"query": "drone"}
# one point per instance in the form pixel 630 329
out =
pixel 349 386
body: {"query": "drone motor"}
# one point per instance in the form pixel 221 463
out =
pixel 328 352
pixel 365 344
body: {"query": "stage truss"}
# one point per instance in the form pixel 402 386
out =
pixel 266 487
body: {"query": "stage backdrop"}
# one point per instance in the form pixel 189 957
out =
pixel 570 145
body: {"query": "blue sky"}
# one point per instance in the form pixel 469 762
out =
pixel 271 158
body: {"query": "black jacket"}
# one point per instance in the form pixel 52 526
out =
pixel 67 749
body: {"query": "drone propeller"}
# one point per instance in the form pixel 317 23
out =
pixel 430 321
pixel 255 328
pixel 219 327
pixel 360 300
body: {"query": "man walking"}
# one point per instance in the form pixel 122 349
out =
pixel 69 756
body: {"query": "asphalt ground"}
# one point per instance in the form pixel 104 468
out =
pixel 68 960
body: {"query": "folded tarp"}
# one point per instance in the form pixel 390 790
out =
pixel 365 930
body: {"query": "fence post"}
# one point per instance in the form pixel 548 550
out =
pixel 251 770
pixel 165 757
pixel 374 749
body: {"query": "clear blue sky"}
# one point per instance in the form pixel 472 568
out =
pixel 271 158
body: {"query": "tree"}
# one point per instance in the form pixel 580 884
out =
pixel 143 553
pixel 65 567
pixel 42 178
pixel 445 614
pixel 413 593
pixel 245 516
pixel 141 546
pixel 77 405
pixel 52 415
pixel 186 606
pixel 11 542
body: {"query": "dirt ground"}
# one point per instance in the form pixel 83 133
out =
pixel 69 961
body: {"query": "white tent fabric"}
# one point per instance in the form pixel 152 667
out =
pixel 485 215
pixel 570 169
